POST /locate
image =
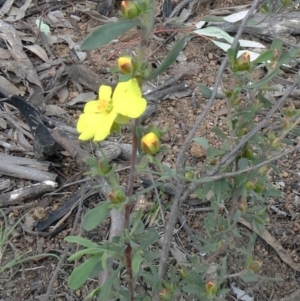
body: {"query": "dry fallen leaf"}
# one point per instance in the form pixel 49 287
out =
pixel 39 51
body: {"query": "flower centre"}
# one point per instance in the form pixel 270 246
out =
pixel 104 106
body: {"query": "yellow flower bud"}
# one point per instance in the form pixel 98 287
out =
pixel 243 63
pixel 255 265
pixel 125 65
pixel 164 294
pixel 117 196
pixel 211 287
pixel 150 144
pixel 130 9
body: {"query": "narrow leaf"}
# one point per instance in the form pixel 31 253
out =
pixel 106 33
pixel 81 241
pixel 81 273
pixel 264 80
pixel 264 57
pixel 95 216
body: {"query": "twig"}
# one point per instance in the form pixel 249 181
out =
pixel 181 157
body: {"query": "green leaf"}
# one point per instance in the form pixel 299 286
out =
pixel 95 216
pixel 263 100
pixel 275 168
pixel 209 248
pixel 150 255
pixel 170 58
pixel 249 277
pixel 136 261
pixel 214 152
pixel 81 241
pixel 193 289
pixel 106 289
pixel 202 142
pixel 93 293
pixel 219 133
pixel 92 162
pixel 200 194
pixel 106 33
pixel 264 80
pixel 81 273
pixel 215 32
pixel 103 259
pixel 206 92
pixel 264 57
pixel 243 163
pixel 79 254
pixel 287 56
pixel 147 238
pixel 276 44
pixel 194 278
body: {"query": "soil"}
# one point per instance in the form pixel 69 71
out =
pixel 30 280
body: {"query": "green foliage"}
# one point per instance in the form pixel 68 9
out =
pixel 95 216
pixel 107 32
pixel 234 191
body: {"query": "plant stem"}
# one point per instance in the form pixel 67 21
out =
pixel 127 209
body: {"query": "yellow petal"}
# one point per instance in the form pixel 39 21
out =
pixel 91 107
pixel 127 99
pixel 105 92
pixel 86 126
pixel 104 125
pixel 120 119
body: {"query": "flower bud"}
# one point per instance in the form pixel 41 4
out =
pixel 183 273
pixel 249 185
pixel 126 65
pixel 150 144
pixel 258 188
pixel 243 131
pixel 290 111
pixel 271 136
pixel 189 176
pixel 243 63
pixel 248 153
pixel 243 205
pixel 276 143
pixel 286 2
pixel 130 9
pixel 117 196
pixel 286 123
pixel 164 294
pixel 211 287
pixel 255 265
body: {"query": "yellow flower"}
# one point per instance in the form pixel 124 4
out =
pixel 104 114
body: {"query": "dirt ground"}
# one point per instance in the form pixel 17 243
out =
pixel 178 113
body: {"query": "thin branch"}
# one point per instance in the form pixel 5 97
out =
pixel 181 159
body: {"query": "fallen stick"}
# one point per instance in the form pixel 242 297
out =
pixel 32 191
